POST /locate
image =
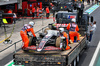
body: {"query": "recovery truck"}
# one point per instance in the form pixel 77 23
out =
pixel 48 52
pixel 51 55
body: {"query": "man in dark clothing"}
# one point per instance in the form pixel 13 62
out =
pixel 92 2
pixel 88 1
pixel 25 12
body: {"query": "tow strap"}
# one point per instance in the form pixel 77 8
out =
pixel 7 38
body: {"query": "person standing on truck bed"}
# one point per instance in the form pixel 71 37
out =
pixel 62 33
pixel 73 28
pixel 93 28
pixel 24 33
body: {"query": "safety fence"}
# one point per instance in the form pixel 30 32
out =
pixel 35 17
pixel 32 17
pixel 41 30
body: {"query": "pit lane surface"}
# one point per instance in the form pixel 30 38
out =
pixel 86 56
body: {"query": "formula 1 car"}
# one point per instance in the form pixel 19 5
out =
pixel 47 41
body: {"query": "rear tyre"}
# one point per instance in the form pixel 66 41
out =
pixel 74 63
pixel 58 41
pixel 32 41
pixel 70 64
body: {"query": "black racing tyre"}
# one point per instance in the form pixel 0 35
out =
pixel 58 41
pixel 32 41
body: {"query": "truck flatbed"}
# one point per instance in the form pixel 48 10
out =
pixel 51 52
pixel 51 56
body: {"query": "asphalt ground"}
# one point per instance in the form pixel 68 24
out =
pixel 86 56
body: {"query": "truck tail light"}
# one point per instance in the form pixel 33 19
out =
pixel 58 62
pixel 26 61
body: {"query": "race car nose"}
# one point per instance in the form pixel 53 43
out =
pixel 39 50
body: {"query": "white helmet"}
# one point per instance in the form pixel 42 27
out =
pixel 73 20
pixel 61 29
pixel 31 23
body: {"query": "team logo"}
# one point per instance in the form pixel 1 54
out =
pixel 71 16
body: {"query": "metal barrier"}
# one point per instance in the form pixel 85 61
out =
pixel 21 40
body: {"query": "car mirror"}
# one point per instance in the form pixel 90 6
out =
pixel 91 18
pixel 56 16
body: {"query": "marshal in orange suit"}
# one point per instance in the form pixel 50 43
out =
pixel 73 30
pixel 24 31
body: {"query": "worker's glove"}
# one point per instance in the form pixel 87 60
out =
pixel 28 35
pixel 62 37
pixel 35 38
pixel 37 41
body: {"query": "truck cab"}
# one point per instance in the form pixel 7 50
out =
pixel 63 18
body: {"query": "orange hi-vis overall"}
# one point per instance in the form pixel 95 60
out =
pixel 73 28
pixel 47 13
pixel 66 36
pixel 47 10
pixel 33 10
pixel 24 35
pixel 9 11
